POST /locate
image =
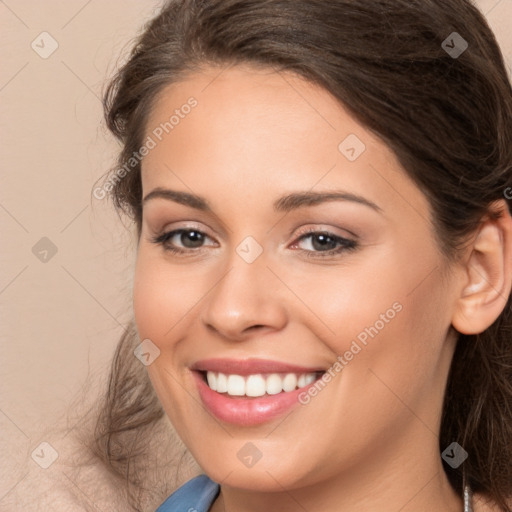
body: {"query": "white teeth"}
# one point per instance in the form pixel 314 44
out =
pixel 236 385
pixel 305 380
pixel 257 384
pixel 212 380
pixel 222 383
pixel 274 384
pixel 290 382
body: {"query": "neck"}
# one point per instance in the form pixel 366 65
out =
pixel 413 482
pixel 434 494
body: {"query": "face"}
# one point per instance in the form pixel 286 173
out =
pixel 281 239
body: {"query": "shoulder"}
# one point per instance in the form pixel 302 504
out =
pixel 198 494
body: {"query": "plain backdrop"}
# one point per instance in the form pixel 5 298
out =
pixel 66 260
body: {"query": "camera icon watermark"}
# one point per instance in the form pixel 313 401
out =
pixel 454 45
pixel 44 455
pixel 44 45
pixel 249 249
pixel 44 249
pixel 454 455
pixel 249 455
pixel 147 352
pixel 351 147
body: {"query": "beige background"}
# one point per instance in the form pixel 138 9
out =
pixel 60 319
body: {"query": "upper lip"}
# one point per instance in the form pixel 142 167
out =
pixel 250 366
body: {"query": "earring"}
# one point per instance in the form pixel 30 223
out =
pixel 467 493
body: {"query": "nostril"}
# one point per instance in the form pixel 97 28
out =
pixel 254 328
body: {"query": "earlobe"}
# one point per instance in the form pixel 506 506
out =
pixel 488 273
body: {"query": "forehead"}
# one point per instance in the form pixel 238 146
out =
pixel 254 111
pixel 249 109
pixel 255 129
pixel 243 86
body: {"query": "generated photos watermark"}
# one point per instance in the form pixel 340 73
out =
pixel 149 144
pixel 355 348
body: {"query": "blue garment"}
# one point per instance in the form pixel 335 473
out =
pixel 196 495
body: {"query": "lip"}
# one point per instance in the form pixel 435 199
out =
pixel 246 411
pixel 246 367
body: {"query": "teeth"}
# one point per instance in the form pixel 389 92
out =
pixel 222 383
pixel 258 384
pixel 236 385
pixel 274 384
pixel 212 380
pixel 290 382
pixel 255 385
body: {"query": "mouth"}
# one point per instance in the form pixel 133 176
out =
pixel 258 384
pixel 248 392
pixel 251 392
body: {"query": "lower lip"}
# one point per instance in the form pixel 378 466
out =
pixel 247 411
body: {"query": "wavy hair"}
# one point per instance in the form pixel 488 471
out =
pixel 448 120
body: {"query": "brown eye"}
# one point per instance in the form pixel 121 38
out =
pixel 316 244
pixel 191 238
pixel 181 240
pixel 319 241
pixel 322 241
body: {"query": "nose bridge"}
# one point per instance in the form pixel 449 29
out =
pixel 245 295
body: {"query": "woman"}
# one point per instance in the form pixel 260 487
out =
pixel 322 295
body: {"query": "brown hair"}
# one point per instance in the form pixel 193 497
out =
pixel 448 119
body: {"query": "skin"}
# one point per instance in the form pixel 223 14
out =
pixel 369 440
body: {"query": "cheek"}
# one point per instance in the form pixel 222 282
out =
pixel 163 295
pixel 392 313
pixel 149 294
pixel 387 321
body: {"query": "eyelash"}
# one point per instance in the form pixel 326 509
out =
pixel 347 245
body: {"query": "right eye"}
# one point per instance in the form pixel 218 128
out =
pixel 190 239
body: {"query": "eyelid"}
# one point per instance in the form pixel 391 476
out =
pixel 155 217
pixel 331 230
pixel 165 235
pixel 296 233
pixel 184 225
pixel 183 229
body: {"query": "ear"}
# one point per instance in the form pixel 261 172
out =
pixel 487 276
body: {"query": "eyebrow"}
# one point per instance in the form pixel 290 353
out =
pixel 286 203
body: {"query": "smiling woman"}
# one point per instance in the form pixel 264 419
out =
pixel 340 178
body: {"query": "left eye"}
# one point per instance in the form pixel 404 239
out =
pixel 319 241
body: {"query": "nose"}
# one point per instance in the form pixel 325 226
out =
pixel 245 300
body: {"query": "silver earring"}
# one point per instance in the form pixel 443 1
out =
pixel 467 494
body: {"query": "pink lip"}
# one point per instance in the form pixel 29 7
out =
pixel 246 411
pixel 250 366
